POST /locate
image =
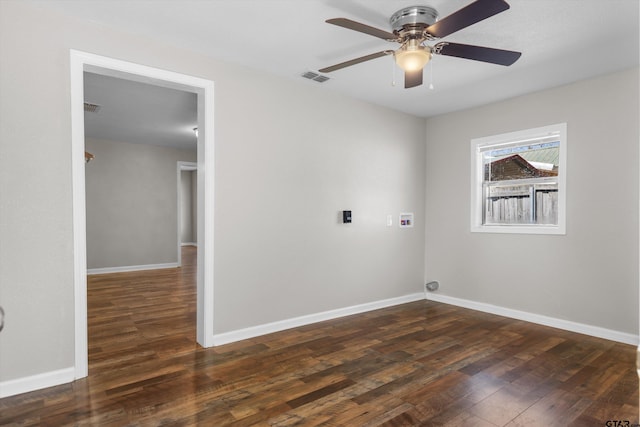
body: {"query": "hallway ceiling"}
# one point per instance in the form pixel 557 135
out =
pixel 561 41
pixel 139 113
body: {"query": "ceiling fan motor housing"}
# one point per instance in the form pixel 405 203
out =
pixel 413 18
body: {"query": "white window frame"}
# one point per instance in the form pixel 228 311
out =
pixel 478 145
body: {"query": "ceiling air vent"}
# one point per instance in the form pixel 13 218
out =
pixel 315 77
pixel 91 108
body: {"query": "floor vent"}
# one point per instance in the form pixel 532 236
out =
pixel 315 77
pixel 91 108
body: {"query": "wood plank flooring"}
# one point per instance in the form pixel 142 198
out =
pixel 422 363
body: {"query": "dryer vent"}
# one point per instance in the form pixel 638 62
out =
pixel 432 286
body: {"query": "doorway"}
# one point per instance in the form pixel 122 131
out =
pixel 187 206
pixel 79 63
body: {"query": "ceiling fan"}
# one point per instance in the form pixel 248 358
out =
pixel 413 26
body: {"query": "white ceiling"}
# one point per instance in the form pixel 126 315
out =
pixel 140 112
pixel 561 41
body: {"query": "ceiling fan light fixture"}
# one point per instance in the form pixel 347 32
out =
pixel 412 56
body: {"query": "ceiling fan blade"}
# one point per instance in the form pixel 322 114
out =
pixel 468 15
pixel 356 26
pixel 477 53
pixel 412 78
pixel 354 61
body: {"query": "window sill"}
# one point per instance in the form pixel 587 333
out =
pixel 519 229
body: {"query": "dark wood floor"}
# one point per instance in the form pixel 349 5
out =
pixel 422 363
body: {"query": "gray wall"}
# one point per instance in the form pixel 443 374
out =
pixel 280 250
pixel 590 275
pixel 131 196
pixel 289 157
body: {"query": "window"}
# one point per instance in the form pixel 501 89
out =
pixel 518 181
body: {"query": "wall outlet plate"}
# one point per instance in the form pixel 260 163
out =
pixel 405 220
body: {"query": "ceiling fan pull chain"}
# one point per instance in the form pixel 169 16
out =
pixel 430 75
pixel 393 71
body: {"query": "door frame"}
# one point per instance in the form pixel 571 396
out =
pixel 79 63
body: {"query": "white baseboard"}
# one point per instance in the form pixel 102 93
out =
pixel 127 268
pixel 63 376
pixel 189 244
pixel 268 328
pixel 36 382
pixel 567 325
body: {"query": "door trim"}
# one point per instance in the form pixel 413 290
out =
pixel 79 63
